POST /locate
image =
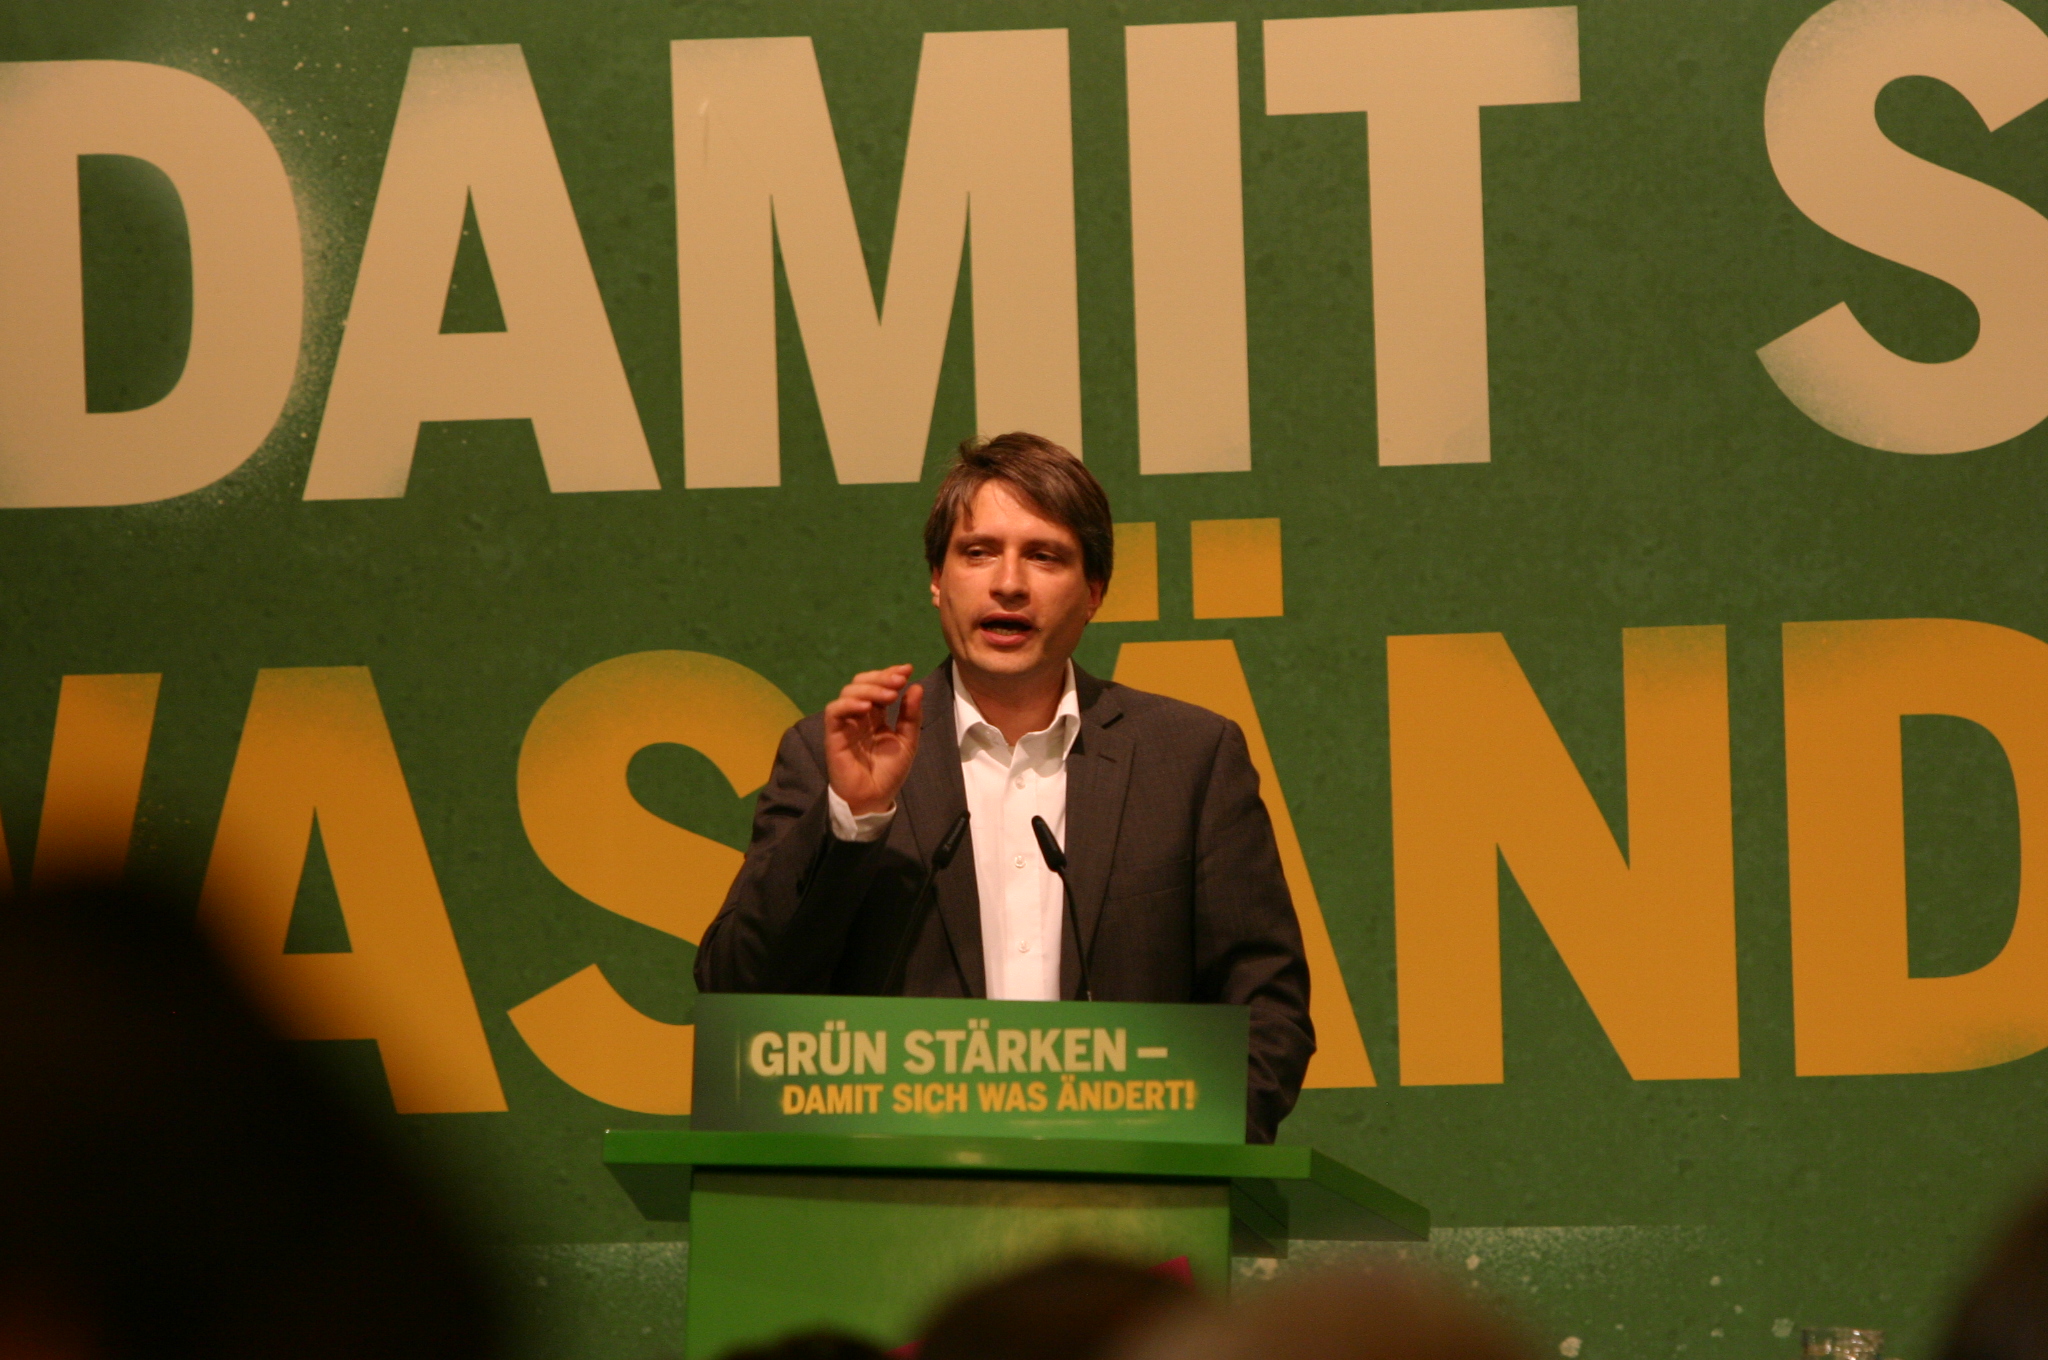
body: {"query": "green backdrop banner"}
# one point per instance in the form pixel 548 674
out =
pixel 1590 449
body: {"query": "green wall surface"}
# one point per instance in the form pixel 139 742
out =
pixel 1645 471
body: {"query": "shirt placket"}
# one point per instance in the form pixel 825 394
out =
pixel 1020 884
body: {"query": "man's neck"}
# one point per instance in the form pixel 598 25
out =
pixel 1014 705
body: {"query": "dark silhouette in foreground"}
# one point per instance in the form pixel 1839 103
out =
pixel 1385 1313
pixel 1075 1307
pixel 810 1346
pixel 175 1182
pixel 2004 1313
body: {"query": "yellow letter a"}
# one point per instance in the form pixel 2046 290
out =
pixel 316 745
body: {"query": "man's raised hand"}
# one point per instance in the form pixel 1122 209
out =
pixel 866 758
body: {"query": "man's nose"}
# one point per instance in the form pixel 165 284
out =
pixel 1010 580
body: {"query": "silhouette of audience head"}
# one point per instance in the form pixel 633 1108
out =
pixel 1385 1313
pixel 1074 1307
pixel 2004 1313
pixel 174 1182
pixel 820 1345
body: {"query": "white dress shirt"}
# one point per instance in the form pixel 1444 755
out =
pixel 1022 907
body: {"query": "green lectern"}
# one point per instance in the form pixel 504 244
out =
pixel 851 1160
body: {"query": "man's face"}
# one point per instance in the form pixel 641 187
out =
pixel 1011 594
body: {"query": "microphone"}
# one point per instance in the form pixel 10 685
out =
pixel 920 907
pixel 1056 860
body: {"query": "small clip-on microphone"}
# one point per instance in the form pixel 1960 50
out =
pixel 920 905
pixel 1056 860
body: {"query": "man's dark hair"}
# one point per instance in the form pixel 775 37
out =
pixel 1045 476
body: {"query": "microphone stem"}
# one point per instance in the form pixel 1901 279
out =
pixel 914 924
pixel 1074 925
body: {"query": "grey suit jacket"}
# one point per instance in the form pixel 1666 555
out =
pixel 1176 878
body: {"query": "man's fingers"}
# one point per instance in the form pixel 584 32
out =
pixel 853 724
pixel 843 708
pixel 859 746
pixel 893 677
pixel 867 695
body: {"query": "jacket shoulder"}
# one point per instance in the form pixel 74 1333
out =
pixel 809 732
pixel 1144 710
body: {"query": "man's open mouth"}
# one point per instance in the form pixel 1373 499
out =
pixel 1006 625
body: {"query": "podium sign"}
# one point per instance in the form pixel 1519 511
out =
pixel 966 1068
pixel 851 1161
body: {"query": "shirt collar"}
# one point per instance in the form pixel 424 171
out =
pixel 971 729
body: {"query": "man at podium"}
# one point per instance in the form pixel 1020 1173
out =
pixel 858 879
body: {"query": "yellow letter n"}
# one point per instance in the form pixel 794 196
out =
pixel 1480 775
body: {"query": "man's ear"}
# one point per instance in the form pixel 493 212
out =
pixel 935 588
pixel 1096 590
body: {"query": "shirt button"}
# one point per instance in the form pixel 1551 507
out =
pixel 1018 862
pixel 1023 948
pixel 1020 782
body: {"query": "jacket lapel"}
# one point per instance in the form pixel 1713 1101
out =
pixel 1098 772
pixel 934 794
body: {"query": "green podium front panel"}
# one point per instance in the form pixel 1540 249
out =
pixel 867 1232
pixel 773 1252
pixel 855 1160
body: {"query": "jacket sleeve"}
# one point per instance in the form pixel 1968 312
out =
pixel 1247 942
pixel 784 923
